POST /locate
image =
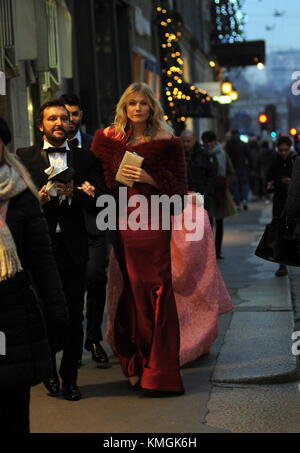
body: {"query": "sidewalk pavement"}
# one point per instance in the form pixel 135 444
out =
pixel 257 345
pixel 254 346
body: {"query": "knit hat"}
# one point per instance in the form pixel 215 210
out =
pixel 5 134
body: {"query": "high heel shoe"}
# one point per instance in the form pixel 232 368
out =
pixel 135 381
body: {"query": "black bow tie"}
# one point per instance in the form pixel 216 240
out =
pixel 56 150
pixel 74 141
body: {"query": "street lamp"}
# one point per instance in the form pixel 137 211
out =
pixel 226 87
pixel 234 95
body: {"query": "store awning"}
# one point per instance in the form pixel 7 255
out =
pixel 246 53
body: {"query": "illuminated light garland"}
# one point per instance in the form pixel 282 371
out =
pixel 172 71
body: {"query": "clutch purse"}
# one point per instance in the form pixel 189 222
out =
pixel 129 158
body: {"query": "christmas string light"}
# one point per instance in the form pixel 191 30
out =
pixel 179 95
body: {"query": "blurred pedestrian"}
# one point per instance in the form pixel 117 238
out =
pixel 254 177
pixel 64 212
pixel 222 204
pixel 96 266
pixel 278 181
pixel 266 157
pixel 26 259
pixel 293 201
pixel 202 168
pixel 241 160
pixel 146 327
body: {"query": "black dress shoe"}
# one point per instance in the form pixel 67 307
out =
pixel 98 354
pixel 71 392
pixel 52 385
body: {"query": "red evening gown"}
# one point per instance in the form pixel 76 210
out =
pixel 146 327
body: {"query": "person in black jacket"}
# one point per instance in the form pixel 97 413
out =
pixel 27 270
pixel 65 216
pixel 202 168
pixel 278 181
pixel 293 201
pixel 242 163
pixel 96 266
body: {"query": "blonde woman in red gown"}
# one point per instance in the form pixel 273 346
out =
pixel 146 327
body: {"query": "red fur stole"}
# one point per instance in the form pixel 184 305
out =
pixel 163 159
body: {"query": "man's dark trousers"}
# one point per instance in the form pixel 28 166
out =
pixel 73 281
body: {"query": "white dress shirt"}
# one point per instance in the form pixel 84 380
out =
pixel 79 138
pixel 58 160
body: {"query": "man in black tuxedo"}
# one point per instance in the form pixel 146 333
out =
pixel 65 217
pixel 96 267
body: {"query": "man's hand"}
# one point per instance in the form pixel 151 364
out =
pixel 44 197
pixel 88 189
pixel 270 185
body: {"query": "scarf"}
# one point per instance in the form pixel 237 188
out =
pixel 11 185
pixel 221 159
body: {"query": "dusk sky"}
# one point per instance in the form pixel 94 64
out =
pixel 285 32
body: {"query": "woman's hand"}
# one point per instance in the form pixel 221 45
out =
pixel 137 174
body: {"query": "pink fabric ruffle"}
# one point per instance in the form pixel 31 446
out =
pixel 200 292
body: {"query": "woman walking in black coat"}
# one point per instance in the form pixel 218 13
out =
pixel 27 274
pixel 293 201
pixel 278 180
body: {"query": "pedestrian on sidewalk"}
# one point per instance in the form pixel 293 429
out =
pixel 293 201
pixel 201 167
pixel 64 211
pixel 240 157
pixel 266 158
pixel 98 249
pixel 26 259
pixel 222 204
pixel 278 181
pixel 146 326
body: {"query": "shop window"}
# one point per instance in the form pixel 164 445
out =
pixel 146 70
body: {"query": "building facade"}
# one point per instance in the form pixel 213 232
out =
pixel 36 57
pixel 94 48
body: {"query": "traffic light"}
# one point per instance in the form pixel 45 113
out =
pixel 293 131
pixel 262 118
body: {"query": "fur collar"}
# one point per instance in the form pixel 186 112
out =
pixel 163 160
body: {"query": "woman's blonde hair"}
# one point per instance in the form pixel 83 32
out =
pixel 12 160
pixel 156 121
